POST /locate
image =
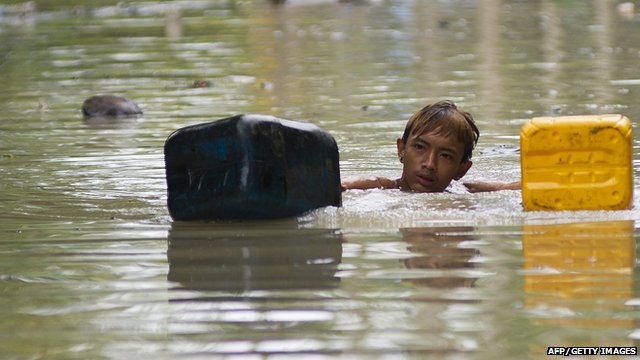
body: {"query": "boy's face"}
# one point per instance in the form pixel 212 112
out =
pixel 430 161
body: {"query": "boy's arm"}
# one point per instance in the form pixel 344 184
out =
pixel 368 183
pixel 483 186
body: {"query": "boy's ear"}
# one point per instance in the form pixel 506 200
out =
pixel 463 168
pixel 400 145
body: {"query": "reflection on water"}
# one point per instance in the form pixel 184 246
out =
pixel 440 248
pixel 220 258
pixel 580 261
pixel 581 275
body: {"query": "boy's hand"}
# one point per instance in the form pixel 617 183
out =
pixel 483 186
pixel 368 183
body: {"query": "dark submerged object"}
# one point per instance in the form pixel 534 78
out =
pixel 250 167
pixel 109 106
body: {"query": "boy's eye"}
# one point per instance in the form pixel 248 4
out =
pixel 418 146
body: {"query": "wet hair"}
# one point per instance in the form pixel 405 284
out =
pixel 444 118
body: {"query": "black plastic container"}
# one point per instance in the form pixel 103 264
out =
pixel 250 167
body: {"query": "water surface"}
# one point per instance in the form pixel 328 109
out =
pixel 92 266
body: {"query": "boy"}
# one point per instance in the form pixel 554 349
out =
pixel 435 148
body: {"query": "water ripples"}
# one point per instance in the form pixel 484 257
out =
pixel 93 267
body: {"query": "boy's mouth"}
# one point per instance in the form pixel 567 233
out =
pixel 425 180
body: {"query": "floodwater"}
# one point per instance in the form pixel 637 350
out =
pixel 92 266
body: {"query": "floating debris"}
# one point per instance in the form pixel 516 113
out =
pixel 201 84
pixel 109 106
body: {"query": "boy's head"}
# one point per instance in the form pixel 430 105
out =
pixel 436 147
pixel 445 118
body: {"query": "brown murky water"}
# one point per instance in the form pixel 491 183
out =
pixel 91 265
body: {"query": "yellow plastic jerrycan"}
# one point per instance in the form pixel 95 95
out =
pixel 577 163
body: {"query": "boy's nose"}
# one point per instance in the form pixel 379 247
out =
pixel 429 161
